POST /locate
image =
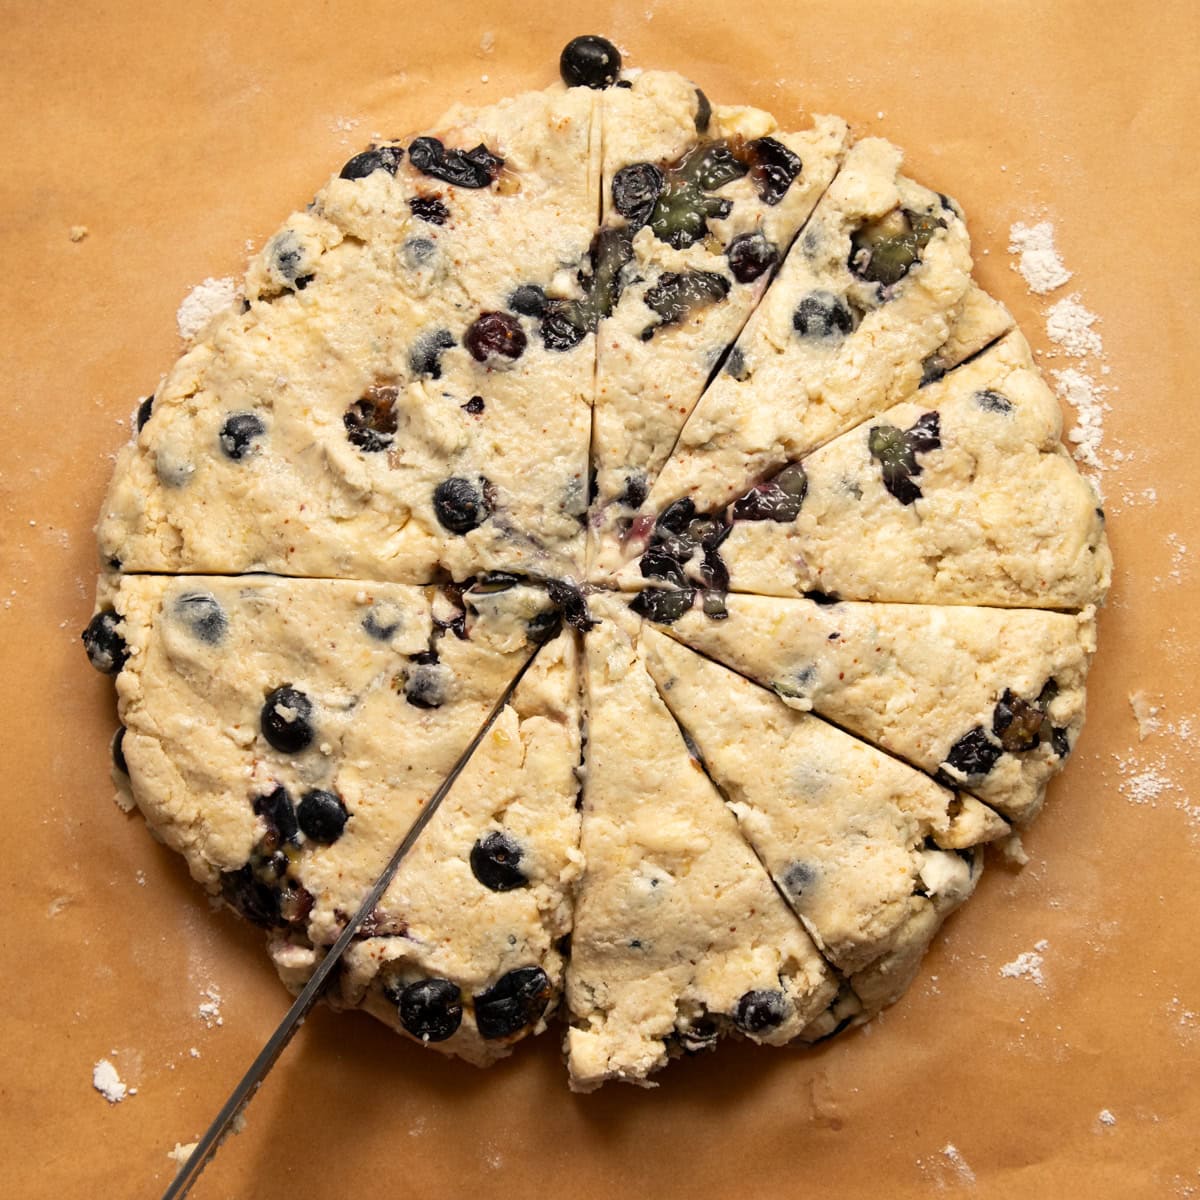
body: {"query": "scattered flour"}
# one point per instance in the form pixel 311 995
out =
pixel 1027 965
pixel 952 1154
pixel 1039 263
pixel 345 124
pixel 202 303
pixel 1086 396
pixel 209 1010
pixel 1069 325
pixel 108 1083
pixel 487 43
pixel 1106 1118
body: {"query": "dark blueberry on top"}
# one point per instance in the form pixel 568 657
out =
pixel 106 648
pixel 1059 742
pixel 662 605
pixel 885 250
pixel 679 294
pixel 703 112
pixel 516 1001
pixel 475 168
pixel 279 813
pixel 425 686
pixel 202 613
pixel 491 583
pixel 797 879
pixel 751 255
pixel 287 719
pixel 460 505
pixel 658 563
pixel 425 357
pixel 257 901
pixel 143 412
pixel 118 751
pixel 321 816
pixel 677 516
pixel 635 189
pixel 776 499
pixel 1017 723
pixel 496 862
pixel 474 406
pixel 238 434
pixel 761 1010
pixel 529 300
pixel 822 314
pixel 430 209
pixel 589 61
pixel 974 754
pixel 374 158
pixel 991 401
pixel 772 168
pixel 544 627
pixel 569 600
pixel 896 451
pixel 561 329
pixel 702 1034
pixel 637 487
pixel 495 335
pixel 371 420
pixel 430 1009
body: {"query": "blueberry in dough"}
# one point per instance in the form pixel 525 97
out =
pixel 425 687
pixel 992 401
pixel 663 605
pixel 106 648
pixel 202 613
pixel 238 433
pixel 751 255
pixel 425 357
pixel 516 1001
pixel 279 813
pixel 974 754
pixel 143 412
pixel 118 751
pixel 430 1009
pixel 495 335
pixel 589 61
pixel 496 862
pixel 635 188
pixel 460 505
pixel 371 420
pixel 287 720
pixel 475 168
pixel 760 1010
pixel 257 901
pixel 321 816
pixel 430 209
pixel 529 300
pixel 821 314
pixel 374 158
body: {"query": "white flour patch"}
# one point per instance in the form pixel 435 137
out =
pixel 108 1083
pixel 1106 1118
pixel 1086 396
pixel 953 1156
pixel 209 1009
pixel 1069 325
pixel 1028 965
pixel 948 1167
pixel 1039 263
pixel 203 303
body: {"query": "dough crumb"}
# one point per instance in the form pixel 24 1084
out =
pixel 1039 263
pixel 1027 965
pixel 952 1154
pixel 123 800
pixel 1145 714
pixel 108 1083
pixel 182 1151
pixel 1012 850
pixel 1106 1118
pixel 487 43
pixel 203 303
pixel 78 232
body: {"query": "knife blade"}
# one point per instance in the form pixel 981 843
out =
pixel 252 1080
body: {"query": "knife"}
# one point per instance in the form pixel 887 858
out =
pixel 241 1095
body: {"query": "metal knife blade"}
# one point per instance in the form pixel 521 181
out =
pixel 241 1095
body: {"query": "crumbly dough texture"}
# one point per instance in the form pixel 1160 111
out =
pixel 535 389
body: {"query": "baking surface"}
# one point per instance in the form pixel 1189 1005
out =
pixel 181 136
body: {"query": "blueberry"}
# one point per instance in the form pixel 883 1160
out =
pixel 321 816
pixel 761 1010
pixel 417 252
pixel 897 450
pixel 735 365
pixel 698 1036
pixel 287 719
pixel 255 900
pixel 430 1009
pixel 751 255
pixel 371 420
pixel 1059 742
pixel 885 250
pixel 106 648
pixel 562 327
pixel 474 406
pixel 822 598
pixel 678 295
pixel 703 112
pixel 460 505
pixel 279 813
pixel 796 879
pixel 773 167
pixel 544 627
pixel 1017 723
pixel 374 158
pixel 662 605
pixel 238 433
pixel 496 862
pixel 822 315
pixel 425 357
pixel 569 600
pixel 425 687
pixel 382 621
pixel 635 188
pixel 143 412
pixel 203 615
pixel 495 335
pixel 517 1000
pixel 657 563
pixel 529 300
pixel 637 487
pixel 492 583
pixel 430 209
pixel 589 61
pixel 475 168
pixel 974 754
pixel 993 402
pixel 777 499
pixel 118 751
pixel 676 517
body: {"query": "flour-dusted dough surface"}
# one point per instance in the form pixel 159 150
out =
pixel 679 933
pixel 359 381
pixel 991 700
pixel 864 848
pixel 651 367
pixel 1001 515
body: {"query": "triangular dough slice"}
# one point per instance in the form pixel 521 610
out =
pixel 701 204
pixel 463 952
pixel 869 292
pixel 679 934
pixel 368 410
pixel 963 494
pixel 870 853
pixel 284 734
pixel 989 699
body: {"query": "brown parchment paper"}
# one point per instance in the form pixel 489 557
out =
pixel 180 135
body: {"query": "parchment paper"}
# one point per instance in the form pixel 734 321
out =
pixel 180 135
